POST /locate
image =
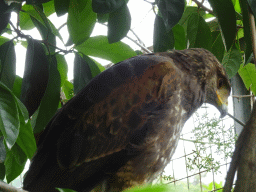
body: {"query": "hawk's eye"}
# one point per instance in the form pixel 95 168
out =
pixel 220 82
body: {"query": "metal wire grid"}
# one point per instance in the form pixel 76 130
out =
pixel 196 180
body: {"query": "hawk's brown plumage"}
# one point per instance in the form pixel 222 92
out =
pixel 123 127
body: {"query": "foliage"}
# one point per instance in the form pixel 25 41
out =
pixel 28 103
pixel 210 135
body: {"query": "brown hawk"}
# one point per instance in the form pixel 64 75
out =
pixel 122 129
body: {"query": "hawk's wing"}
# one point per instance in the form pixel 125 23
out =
pixel 104 119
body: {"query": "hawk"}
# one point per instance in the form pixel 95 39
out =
pixel 122 129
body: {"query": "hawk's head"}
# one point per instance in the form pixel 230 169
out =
pixel 217 83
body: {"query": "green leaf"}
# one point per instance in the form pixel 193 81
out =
pixel 188 11
pixel 62 68
pixel 26 139
pixel 39 15
pixel 35 77
pixel 119 23
pixel 16 89
pixel 171 11
pixel 61 7
pixel 49 8
pixel 4 15
pixel 232 61
pixel 107 6
pixel 153 188
pixel 102 18
pixel 14 163
pixel 25 21
pixel 65 190
pixel 252 4
pixel 68 89
pixel 96 68
pixel 246 27
pixel 7 64
pixel 45 34
pixel 179 37
pixel 2 171
pixel 226 15
pixel 81 20
pixel 248 75
pixel 98 46
pixel 3 40
pixel 163 40
pixel 198 32
pixel 2 151
pixel 218 48
pixel 9 116
pixel 82 72
pixel 50 100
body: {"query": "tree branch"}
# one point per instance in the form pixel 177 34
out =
pixel 199 4
pixel 4 187
pixel 243 157
pixel 235 119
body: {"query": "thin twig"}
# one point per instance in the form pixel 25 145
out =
pixel 62 26
pixel 141 46
pixel 242 96
pixel 199 4
pixel 237 120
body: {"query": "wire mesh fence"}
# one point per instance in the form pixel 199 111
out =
pixel 202 157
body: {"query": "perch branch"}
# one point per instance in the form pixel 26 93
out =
pixel 240 146
pixel 4 187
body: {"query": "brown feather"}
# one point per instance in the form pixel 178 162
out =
pixel 122 129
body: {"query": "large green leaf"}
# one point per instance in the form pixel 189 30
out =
pixel 61 7
pixel 3 40
pixel 26 139
pixel 4 15
pixel 81 20
pixel 35 76
pixel 82 72
pixel 9 116
pixel 68 89
pixel 218 48
pixel 96 67
pixel 62 68
pixel 171 11
pixel 2 151
pixel 45 34
pixel 98 46
pixel 102 18
pixel 198 32
pixel 226 15
pixel 232 61
pixel 16 89
pixel 25 21
pixel 14 163
pixel 179 37
pixel 247 33
pixel 7 64
pixel 119 23
pixel 49 8
pixel 163 40
pixel 50 100
pixel 106 6
pixel 248 75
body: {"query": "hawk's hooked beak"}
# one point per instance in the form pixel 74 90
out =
pixel 222 102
